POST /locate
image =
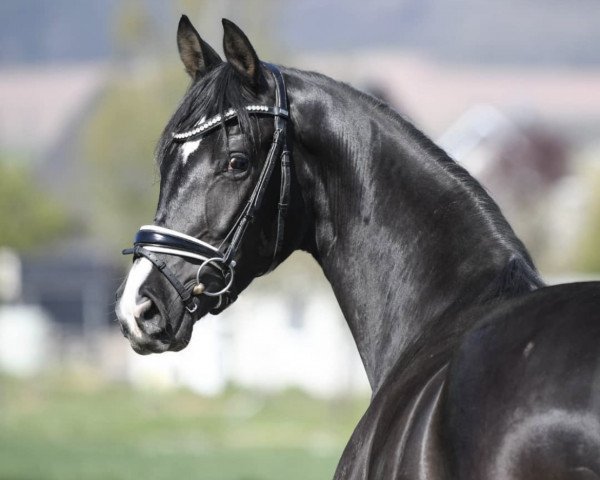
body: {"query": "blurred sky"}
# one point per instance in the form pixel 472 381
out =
pixel 489 31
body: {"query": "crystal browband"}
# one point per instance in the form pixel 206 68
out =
pixel 213 122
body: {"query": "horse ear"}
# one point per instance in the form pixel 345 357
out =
pixel 197 56
pixel 240 53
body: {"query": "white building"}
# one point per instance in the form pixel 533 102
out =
pixel 264 342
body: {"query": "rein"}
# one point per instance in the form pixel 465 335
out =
pixel 151 239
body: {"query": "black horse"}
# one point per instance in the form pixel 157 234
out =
pixel 478 370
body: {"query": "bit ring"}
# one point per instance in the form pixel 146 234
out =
pixel 214 260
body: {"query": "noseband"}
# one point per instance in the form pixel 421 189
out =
pixel 152 239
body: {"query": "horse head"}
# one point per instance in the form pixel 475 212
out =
pixel 224 197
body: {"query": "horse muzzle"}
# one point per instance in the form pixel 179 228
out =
pixel 154 327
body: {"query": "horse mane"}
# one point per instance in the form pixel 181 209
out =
pixel 519 275
pixel 218 90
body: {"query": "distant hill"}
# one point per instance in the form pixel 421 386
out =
pixel 57 30
pixel 470 31
pixel 45 31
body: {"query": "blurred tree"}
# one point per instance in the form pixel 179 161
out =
pixel 29 217
pixel 118 144
pixel 134 31
pixel 257 18
pixel 588 253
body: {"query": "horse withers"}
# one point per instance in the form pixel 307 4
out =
pixel 478 370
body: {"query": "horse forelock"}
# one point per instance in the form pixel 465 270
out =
pixel 220 89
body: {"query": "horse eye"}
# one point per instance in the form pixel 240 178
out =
pixel 238 163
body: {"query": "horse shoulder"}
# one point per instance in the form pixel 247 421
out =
pixel 399 435
pixel 523 389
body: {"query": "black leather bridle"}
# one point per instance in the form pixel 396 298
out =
pixel 152 239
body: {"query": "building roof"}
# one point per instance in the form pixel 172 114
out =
pixel 38 103
pixel 434 94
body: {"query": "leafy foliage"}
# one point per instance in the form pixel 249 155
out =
pixel 29 216
pixel 588 252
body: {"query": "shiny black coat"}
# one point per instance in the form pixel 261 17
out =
pixel 478 370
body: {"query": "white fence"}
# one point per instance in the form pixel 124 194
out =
pixel 266 343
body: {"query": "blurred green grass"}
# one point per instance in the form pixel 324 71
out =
pixel 79 427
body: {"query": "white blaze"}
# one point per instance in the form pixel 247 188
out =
pixel 131 294
pixel 188 148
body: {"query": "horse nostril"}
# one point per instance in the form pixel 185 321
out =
pixel 142 307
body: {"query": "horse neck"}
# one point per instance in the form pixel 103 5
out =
pixel 408 240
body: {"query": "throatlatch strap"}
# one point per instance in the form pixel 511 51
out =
pixel 284 189
pixel 282 206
